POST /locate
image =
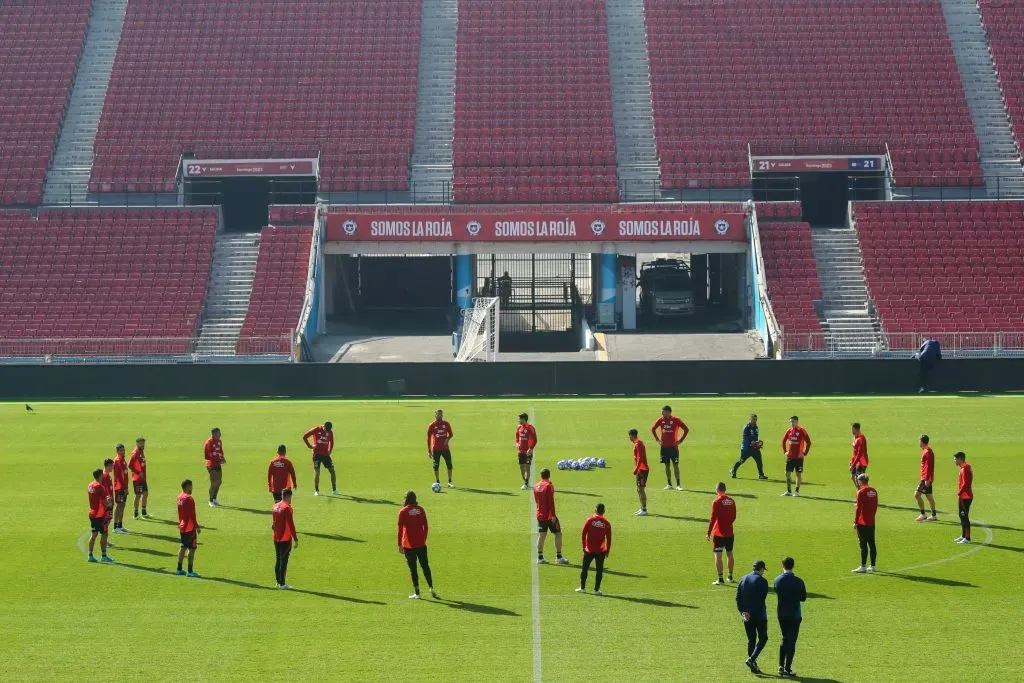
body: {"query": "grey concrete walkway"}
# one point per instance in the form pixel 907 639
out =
pixel 682 346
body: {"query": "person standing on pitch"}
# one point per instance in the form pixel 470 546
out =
pixel 796 444
pixel 120 488
pixel 640 470
pixel 137 465
pixel 859 459
pixel 723 514
pixel 965 496
pixel 791 591
pixel 750 447
pixel 108 485
pixel 281 474
pixel 285 536
pixel 547 520
pixel 439 433
pixel 751 593
pixel 322 447
pixel 98 516
pixel 213 453
pixel 188 528
pixel 526 441
pixel 924 487
pixel 597 544
pixel 864 523
pixel 412 542
pixel 665 430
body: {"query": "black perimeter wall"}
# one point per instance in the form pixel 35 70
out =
pixel 352 380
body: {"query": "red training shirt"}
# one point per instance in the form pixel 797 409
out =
pixel 723 514
pixel 108 489
pixel 597 535
pixel 867 506
pixel 323 440
pixel 964 491
pixel 279 473
pixel 97 500
pixel 412 527
pixel 137 464
pixel 640 457
pixel 544 494
pixel 928 464
pixel 526 438
pixel 796 442
pixel 213 451
pixel 284 523
pixel 120 473
pixel 438 433
pixel 670 427
pixel 187 513
pixel 860 451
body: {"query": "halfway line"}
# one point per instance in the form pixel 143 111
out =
pixel 534 583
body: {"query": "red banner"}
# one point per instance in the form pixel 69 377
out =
pixel 535 226
pixel 195 168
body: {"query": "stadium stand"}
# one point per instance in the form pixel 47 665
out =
pixel 39 50
pixel 806 77
pixel 262 79
pixel 278 289
pixel 1004 23
pixel 779 210
pixel 287 214
pixel 114 274
pixel 533 116
pixel 944 266
pixel 791 274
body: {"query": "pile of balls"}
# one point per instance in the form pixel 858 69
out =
pixel 584 464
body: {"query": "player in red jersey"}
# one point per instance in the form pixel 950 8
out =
pixel 98 516
pixel 526 441
pixel 964 495
pixel 796 444
pixel 547 520
pixel 120 488
pixel 412 542
pixel 864 523
pixel 670 431
pixel 597 544
pixel 641 470
pixel 439 433
pixel 924 487
pixel 285 536
pixel 859 460
pixel 213 453
pixel 188 528
pixel 137 465
pixel 322 447
pixel 281 474
pixel 720 533
pixel 108 485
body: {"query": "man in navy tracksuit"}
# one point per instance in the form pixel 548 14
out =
pixel 928 356
pixel 751 593
pixel 750 447
pixel 791 591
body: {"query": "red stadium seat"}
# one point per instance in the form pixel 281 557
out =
pixel 791 273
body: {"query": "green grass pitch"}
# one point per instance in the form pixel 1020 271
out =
pixel 939 612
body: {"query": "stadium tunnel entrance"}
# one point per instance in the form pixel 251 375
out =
pixel 245 201
pixel 824 195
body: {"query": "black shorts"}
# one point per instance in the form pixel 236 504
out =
pixel 121 496
pixel 188 539
pixel 795 465
pixel 215 468
pixel 669 454
pixel 99 525
pixel 276 495
pixel 722 543
pixel 324 460
pixel 925 487
pixel 866 533
pixel 858 470
pixel 525 459
pixel 437 455
pixel 641 478
pixel 551 525
pixel 140 487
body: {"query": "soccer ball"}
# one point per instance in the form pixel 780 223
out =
pixel 574 464
pixel 435 487
pixel 602 462
pixel 585 464
pixel 561 464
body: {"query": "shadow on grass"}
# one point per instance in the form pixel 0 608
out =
pixel 486 492
pixel 252 511
pixel 169 522
pixel 146 551
pixel 334 596
pixel 819 596
pixel 563 492
pixel 476 608
pixel 610 572
pixel 997 527
pixel 653 602
pixel 935 581
pixel 715 493
pixel 156 537
pixel 699 520
pixel 1005 547
pixel 334 537
pixel 371 501
pixel 850 501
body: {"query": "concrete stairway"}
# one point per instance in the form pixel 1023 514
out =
pixel 68 177
pixel 632 110
pixel 432 157
pixel 1000 156
pixel 851 328
pixel 227 297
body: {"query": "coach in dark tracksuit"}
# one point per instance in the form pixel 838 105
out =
pixel 751 593
pixel 791 591
pixel 750 447
pixel 928 356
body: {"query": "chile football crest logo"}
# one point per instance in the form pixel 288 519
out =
pixel 350 227
pixel 597 227
pixel 722 226
pixel 473 228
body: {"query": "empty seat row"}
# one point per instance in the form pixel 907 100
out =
pixel 791 274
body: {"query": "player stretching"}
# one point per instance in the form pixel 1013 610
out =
pixel 213 452
pixel 322 447
pixel 723 514
pixel 137 464
pixel 927 478
pixel 965 496
pixel 188 528
pixel 98 516
pixel 547 520
pixel 859 460
pixel 412 542
pixel 796 444
pixel 864 523
pixel 597 544
pixel 281 475
pixel 120 488
pixel 285 536
pixel 640 470
pixel 750 447
pixel 526 441
pixel 669 426
pixel 439 433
